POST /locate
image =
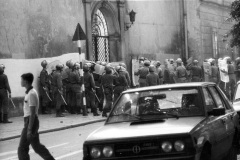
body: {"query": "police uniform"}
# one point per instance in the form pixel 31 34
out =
pixel 66 86
pixel 195 73
pixel 99 91
pixel 181 74
pixel 214 77
pixel 44 89
pixel 75 88
pixel 121 84
pixel 107 85
pixel 89 91
pixel 125 73
pixel 4 90
pixel 57 91
pixel 142 72
pixel 232 81
pixel 152 79
pixel 159 72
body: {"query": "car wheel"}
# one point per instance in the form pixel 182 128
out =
pixel 206 153
pixel 232 154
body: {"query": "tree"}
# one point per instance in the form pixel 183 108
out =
pixel 235 31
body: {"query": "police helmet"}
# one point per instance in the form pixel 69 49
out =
pixel 237 60
pixel 195 62
pixel 171 61
pixel 108 70
pixel 179 61
pixel 123 65
pixel 71 64
pixel 152 68
pixel 118 68
pixel 147 63
pixel 228 59
pixel 2 66
pixel 213 61
pixel 44 63
pixel 141 59
pixel 103 63
pixel 85 68
pixel 67 63
pixel 77 65
pixel 158 64
pixel 59 67
pixel 98 62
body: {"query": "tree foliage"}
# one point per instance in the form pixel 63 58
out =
pixel 235 31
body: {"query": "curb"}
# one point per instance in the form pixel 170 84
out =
pixel 57 129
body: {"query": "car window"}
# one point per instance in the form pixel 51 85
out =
pixel 208 100
pixel 237 93
pixel 217 97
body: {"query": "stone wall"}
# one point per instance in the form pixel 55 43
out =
pixel 38 28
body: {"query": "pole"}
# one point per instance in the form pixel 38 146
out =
pixel 81 74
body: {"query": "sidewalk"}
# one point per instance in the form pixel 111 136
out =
pixel 48 123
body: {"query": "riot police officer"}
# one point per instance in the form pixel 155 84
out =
pixel 123 71
pixel 152 78
pixel 232 79
pixel 171 69
pixel 159 72
pixel 195 72
pixel 90 89
pixel 237 71
pixel 143 72
pixel 181 72
pixel 5 93
pixel 58 89
pixel 76 97
pixel 214 76
pixel 106 82
pixel 44 87
pixel 120 82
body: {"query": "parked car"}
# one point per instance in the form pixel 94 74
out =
pixel 236 99
pixel 189 121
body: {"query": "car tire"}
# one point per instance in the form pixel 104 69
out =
pixel 206 153
pixel 232 154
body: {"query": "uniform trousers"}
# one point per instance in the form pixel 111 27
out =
pixel 3 101
pixel 23 148
pixel 142 82
pixel 75 97
pixel 196 79
pixel 57 98
pixel 117 91
pixel 90 97
pixel 108 95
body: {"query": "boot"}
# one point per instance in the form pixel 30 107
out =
pixel 95 113
pixel 1 116
pixel 5 119
pixel 104 113
pixel 59 114
pixel 85 111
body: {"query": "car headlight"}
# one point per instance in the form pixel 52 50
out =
pixel 179 146
pixel 95 152
pixel 166 146
pixel 107 151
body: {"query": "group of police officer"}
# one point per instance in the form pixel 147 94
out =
pixel 151 74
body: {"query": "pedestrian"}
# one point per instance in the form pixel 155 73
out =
pixel 90 90
pixel 120 82
pixel 76 97
pixel 196 74
pixel 44 88
pixel 58 89
pixel 30 133
pixel 5 93
pixel 214 74
pixel 152 78
pixel 159 72
pixel 106 82
pixel 181 72
pixel 142 73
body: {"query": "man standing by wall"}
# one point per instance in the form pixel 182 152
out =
pixel 31 123
pixel 5 92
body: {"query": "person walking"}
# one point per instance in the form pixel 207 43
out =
pixel 30 133
pixel 58 89
pixel 44 88
pixel 90 89
pixel 152 78
pixel 5 93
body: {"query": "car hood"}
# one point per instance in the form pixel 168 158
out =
pixel 126 130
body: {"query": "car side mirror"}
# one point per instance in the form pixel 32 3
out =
pixel 217 112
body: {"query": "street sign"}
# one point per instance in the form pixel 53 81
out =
pixel 79 34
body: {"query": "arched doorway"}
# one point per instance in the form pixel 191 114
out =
pixel 105 32
pixel 100 37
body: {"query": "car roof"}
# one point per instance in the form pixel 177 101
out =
pixel 176 85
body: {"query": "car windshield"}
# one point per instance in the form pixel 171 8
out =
pixel 157 104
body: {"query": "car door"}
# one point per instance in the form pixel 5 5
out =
pixel 236 99
pixel 227 119
pixel 217 126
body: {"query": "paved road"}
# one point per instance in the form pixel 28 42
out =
pixel 64 145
